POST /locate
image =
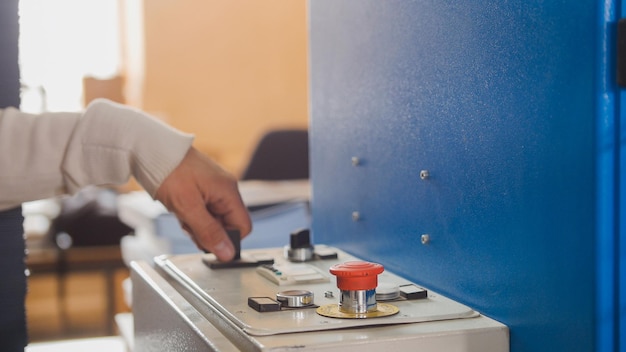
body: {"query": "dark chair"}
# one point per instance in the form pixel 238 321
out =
pixel 280 155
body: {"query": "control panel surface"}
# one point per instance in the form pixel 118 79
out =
pixel 245 295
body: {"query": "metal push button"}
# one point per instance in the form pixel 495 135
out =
pixel 357 281
pixel 295 298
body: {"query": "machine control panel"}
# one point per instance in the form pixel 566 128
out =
pixel 321 298
pixel 254 299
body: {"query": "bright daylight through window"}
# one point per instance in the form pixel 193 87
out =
pixel 61 42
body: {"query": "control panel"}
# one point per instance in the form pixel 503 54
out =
pixel 318 297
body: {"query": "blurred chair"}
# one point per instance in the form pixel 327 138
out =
pixel 280 155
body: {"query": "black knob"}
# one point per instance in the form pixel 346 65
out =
pixel 235 238
pixel 300 239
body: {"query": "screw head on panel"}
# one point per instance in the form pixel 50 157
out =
pixel 356 216
pixel 425 239
pixel 355 161
pixel 424 174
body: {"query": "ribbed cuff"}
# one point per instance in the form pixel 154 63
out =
pixel 113 141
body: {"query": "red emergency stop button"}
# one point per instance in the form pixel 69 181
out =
pixel 357 275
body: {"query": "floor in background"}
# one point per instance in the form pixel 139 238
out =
pixel 83 312
pixel 100 344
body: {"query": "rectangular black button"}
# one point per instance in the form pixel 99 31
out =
pixel 263 304
pixel 411 291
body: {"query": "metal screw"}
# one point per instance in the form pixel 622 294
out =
pixel 355 161
pixel 424 174
pixel 356 216
pixel 425 239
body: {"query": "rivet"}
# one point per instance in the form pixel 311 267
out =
pixel 425 239
pixel 356 216
pixel 355 161
pixel 424 174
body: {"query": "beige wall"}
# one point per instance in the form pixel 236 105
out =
pixel 226 70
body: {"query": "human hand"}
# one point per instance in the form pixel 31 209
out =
pixel 206 200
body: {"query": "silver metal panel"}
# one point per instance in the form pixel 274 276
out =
pixel 227 290
pixel 209 308
pixel 165 321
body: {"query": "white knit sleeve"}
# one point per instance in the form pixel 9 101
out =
pixel 54 153
pixel 112 141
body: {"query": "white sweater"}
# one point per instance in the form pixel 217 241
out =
pixel 55 153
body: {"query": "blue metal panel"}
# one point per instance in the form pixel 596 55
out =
pixel 608 198
pixel 498 100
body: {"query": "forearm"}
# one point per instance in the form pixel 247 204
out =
pixel 42 156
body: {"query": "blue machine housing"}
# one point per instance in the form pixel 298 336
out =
pixel 511 107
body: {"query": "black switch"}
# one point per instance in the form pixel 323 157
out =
pixel 300 239
pixel 235 238
pixel 238 261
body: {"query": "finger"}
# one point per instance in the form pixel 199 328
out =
pixel 207 231
pixel 191 236
pixel 233 215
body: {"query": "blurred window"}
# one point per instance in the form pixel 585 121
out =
pixel 62 41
